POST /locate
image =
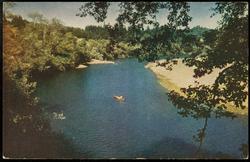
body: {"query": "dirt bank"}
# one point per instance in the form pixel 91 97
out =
pixel 181 76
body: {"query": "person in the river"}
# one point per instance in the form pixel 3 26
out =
pixel 119 98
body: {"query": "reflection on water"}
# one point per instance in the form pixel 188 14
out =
pixel 146 124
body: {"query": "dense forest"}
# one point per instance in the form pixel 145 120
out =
pixel 39 47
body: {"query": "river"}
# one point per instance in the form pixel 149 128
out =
pixel 146 125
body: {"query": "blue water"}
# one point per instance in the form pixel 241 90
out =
pixel 145 125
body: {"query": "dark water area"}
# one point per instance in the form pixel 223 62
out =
pixel 146 125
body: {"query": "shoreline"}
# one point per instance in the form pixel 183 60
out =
pixel 94 62
pixel 173 80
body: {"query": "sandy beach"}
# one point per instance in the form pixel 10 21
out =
pixel 181 76
pixel 92 62
pixel 81 66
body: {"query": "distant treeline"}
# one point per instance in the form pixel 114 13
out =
pixel 103 32
pixel 42 46
pixel 49 45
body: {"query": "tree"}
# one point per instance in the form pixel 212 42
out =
pixel 210 37
pixel 138 14
pixel 18 21
pixel 96 32
pixel 198 30
pixel 78 32
pixel 229 52
pixel 12 51
pixel 96 9
pixel 6 7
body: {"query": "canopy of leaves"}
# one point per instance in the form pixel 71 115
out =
pixel 96 9
pixel 136 15
pixel 225 47
pixel 229 52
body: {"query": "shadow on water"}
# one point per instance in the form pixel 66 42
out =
pixel 146 125
pixel 178 148
pixel 51 107
pixel 200 139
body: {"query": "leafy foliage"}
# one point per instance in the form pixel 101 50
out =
pixel 225 48
pixel 228 51
pixel 97 9
pixel 96 32
pixel 45 45
pixel 138 14
pixel 37 47
pixel 230 44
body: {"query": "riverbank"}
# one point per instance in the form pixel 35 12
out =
pixel 94 61
pixel 182 76
pixel 27 132
pixel 18 145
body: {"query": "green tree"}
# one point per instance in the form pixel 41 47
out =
pixel 96 32
pixel 138 14
pixel 6 9
pixel 96 9
pixel 78 32
pixel 18 21
pixel 229 53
